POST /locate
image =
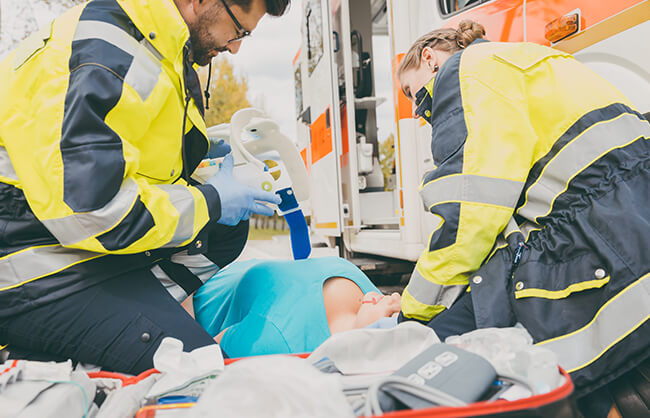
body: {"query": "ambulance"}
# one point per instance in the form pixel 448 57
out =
pixel 347 97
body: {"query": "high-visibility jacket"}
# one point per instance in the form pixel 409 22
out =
pixel 541 187
pixel 93 158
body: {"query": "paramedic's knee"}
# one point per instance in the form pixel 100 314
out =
pixel 226 242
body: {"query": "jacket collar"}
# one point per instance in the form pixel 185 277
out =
pixel 424 97
pixel 162 19
pixel 424 100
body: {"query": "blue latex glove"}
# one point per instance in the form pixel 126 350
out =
pixel 218 149
pixel 238 201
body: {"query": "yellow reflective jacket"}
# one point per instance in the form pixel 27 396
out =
pixel 541 187
pixel 93 158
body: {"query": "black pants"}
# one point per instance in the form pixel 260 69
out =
pixel 117 324
pixel 459 319
pixel 456 320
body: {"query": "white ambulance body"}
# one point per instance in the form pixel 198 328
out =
pixel 349 48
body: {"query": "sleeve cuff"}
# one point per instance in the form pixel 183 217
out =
pixel 402 318
pixel 213 200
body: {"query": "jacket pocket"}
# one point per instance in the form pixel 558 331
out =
pixel 535 279
pixel 138 338
pixel 32 46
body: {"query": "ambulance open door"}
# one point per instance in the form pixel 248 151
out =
pixel 319 114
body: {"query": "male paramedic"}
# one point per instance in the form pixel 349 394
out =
pixel 542 189
pixel 101 126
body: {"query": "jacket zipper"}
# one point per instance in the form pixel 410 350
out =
pixel 519 253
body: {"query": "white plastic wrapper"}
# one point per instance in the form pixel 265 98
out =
pixel 511 352
pixel 365 351
pixel 184 373
pixel 272 386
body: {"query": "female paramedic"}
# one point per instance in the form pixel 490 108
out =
pixel 541 187
pixel 284 306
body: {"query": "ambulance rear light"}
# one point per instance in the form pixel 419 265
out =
pixel 563 27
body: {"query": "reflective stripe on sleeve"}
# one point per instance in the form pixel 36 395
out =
pixel 145 69
pixel 577 155
pixel 171 286
pixel 619 317
pixel 429 293
pixel 511 227
pixel 6 167
pixel 183 200
pixel 36 262
pixel 471 188
pixel 81 226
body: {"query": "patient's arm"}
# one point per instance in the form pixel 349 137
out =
pixel 342 298
pixel 219 336
pixel 188 305
pixel 348 308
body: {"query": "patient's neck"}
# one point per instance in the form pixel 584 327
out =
pixel 342 298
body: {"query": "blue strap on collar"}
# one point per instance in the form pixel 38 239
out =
pixel 298 229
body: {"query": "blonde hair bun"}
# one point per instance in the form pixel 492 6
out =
pixel 469 31
pixel 444 39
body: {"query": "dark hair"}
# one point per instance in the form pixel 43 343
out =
pixel 273 7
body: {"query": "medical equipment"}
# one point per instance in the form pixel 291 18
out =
pixel 256 143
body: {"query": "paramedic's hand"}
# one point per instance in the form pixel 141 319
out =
pixel 238 201
pixel 218 148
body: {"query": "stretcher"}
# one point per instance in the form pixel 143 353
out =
pixel 556 403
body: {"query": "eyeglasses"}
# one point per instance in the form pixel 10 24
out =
pixel 242 33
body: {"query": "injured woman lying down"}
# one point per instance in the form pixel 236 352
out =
pixel 285 306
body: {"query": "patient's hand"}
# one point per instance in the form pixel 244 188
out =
pixel 375 306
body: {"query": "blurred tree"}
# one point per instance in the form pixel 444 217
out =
pixel 387 157
pixel 227 92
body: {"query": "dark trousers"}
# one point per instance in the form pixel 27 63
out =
pixel 456 320
pixel 631 390
pixel 118 323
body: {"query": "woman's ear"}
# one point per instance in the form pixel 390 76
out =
pixel 429 57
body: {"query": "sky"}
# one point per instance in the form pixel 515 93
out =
pixel 266 60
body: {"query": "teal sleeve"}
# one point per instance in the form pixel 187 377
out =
pixel 253 336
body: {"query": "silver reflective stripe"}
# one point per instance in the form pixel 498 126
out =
pixel 80 226
pixel 525 228
pixel 183 200
pixel 143 73
pixel 511 227
pixel 528 227
pixel 619 317
pixel 144 42
pixel 6 168
pixel 37 262
pixel 198 264
pixel 171 286
pixel 471 188
pixel 578 155
pixel 428 293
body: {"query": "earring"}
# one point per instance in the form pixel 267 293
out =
pixel 435 68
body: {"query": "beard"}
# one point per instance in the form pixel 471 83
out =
pixel 203 43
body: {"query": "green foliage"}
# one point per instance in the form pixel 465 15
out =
pixel 387 157
pixel 227 92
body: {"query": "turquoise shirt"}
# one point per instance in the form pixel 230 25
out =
pixel 272 306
